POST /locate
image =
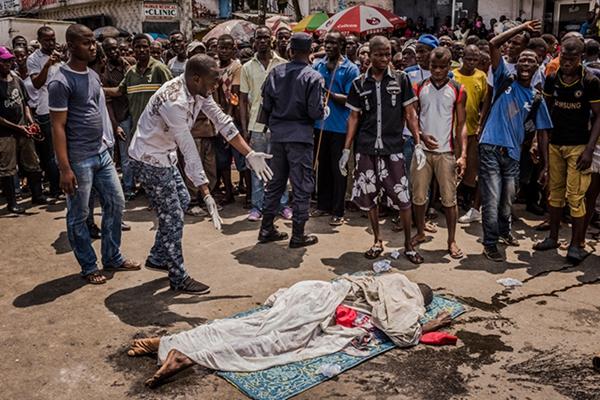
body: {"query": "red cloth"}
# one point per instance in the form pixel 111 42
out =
pixel 438 338
pixel 345 316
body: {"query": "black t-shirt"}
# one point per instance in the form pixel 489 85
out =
pixel 13 98
pixel 570 107
pixel 381 105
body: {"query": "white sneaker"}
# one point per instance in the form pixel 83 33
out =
pixel 471 216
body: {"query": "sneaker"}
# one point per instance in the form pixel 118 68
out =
pixel 95 232
pixel 161 268
pixel 303 241
pixel 129 196
pixel 471 216
pixel 254 216
pixel 192 286
pixel 286 213
pixel 508 240
pixel 492 253
pixel 336 221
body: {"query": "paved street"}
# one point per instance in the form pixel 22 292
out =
pixel 62 339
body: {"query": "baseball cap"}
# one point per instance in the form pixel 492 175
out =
pixel 194 45
pixel 301 41
pixel 429 40
pixel 410 45
pixel 5 54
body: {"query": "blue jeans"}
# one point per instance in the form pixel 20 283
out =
pixel 168 195
pixel 128 180
pixel 498 177
pixel 261 142
pixel 97 172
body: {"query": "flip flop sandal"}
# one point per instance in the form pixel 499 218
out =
pixel 95 278
pixel 318 213
pixel 374 252
pixel 546 244
pixel 430 227
pixel 576 255
pixel 397 228
pixel 457 255
pixel 414 257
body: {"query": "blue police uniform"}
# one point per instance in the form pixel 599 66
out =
pixel 292 102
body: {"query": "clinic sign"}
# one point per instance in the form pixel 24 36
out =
pixel 154 11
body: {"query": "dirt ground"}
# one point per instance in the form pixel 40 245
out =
pixel 62 339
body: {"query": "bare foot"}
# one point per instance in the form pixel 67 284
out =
pixel 145 346
pixel 175 362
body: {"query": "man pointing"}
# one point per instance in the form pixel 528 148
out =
pixel 165 127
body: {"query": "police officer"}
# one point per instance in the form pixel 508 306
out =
pixel 292 102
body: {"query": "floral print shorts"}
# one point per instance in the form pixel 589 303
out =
pixel 380 179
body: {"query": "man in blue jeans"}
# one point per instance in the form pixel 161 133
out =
pixel 79 118
pixel 502 138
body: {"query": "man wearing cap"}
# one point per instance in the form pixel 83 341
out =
pixel 423 49
pixel 292 103
pixel 15 135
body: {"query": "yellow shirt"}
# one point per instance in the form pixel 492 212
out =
pixel 252 78
pixel 476 88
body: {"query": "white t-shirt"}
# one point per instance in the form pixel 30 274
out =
pixel 177 67
pixel 437 109
pixel 35 64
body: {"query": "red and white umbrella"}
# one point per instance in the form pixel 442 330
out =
pixel 358 19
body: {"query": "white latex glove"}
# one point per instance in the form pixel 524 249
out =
pixel 344 161
pixel 211 206
pixel 326 112
pixel 420 156
pixel 258 164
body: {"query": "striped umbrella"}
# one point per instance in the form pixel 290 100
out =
pixel 359 19
pixel 310 23
pixel 397 21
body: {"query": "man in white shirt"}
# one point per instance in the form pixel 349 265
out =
pixel 42 65
pixel 165 127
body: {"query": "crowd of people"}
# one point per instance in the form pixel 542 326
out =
pixel 468 118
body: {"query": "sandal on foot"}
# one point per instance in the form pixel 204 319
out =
pixel 576 254
pixel 457 254
pixel 374 252
pixel 414 257
pixel 316 213
pixel 546 244
pixel 95 278
pixel 397 228
pixel 127 265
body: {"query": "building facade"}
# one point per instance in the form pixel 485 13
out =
pixel 158 16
